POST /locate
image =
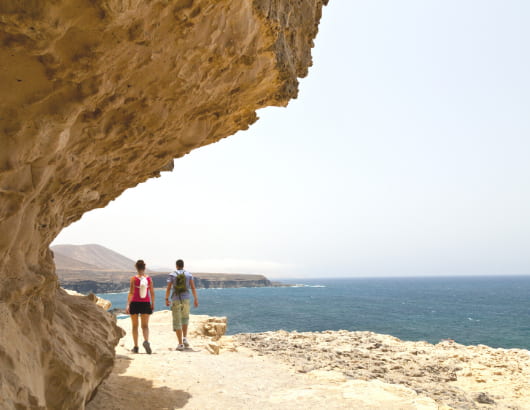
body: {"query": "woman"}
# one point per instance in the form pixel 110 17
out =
pixel 141 301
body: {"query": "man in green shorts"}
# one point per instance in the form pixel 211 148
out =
pixel 179 284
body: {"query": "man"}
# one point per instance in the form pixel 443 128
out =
pixel 180 301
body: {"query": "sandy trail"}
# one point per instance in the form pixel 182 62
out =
pixel 197 379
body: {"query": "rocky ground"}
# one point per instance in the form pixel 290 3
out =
pixel 462 377
pixel 290 370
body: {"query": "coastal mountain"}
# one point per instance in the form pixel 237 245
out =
pixel 96 256
pixel 92 268
pixel 95 268
pixel 66 262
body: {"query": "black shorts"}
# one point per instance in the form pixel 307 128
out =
pixel 142 308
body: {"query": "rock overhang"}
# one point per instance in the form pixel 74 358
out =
pixel 97 97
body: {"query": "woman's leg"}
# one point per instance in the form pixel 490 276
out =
pixel 145 326
pixel 134 319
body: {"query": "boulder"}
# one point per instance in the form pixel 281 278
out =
pixel 208 326
pixel 102 303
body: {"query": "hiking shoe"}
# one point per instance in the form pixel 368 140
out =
pixel 147 347
pixel 185 343
pixel 135 349
pixel 180 347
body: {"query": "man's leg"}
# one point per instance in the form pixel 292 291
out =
pixel 179 335
pixel 185 321
pixel 176 310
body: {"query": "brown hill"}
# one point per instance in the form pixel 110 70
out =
pixel 65 262
pixel 94 268
pixel 98 256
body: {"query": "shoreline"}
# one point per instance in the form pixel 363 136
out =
pixel 309 370
pixel 125 316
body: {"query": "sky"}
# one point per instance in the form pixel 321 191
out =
pixel 406 153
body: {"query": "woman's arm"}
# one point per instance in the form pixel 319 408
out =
pixel 152 290
pixel 131 293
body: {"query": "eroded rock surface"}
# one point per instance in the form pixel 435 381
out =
pixel 454 375
pixel 95 97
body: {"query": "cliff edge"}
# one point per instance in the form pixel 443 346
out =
pixel 97 96
pixel 310 370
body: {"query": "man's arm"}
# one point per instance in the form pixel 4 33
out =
pixel 195 298
pixel 168 289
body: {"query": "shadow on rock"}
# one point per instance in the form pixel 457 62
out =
pixel 122 363
pixel 127 392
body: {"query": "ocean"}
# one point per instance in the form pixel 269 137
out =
pixel 494 311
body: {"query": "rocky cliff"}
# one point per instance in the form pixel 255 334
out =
pixel 97 96
pixel 232 283
pixel 91 286
pixel 220 280
pixel 105 282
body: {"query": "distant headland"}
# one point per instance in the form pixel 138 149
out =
pixel 97 269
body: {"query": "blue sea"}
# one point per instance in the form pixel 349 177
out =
pixel 494 311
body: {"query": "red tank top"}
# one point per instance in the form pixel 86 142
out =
pixel 136 295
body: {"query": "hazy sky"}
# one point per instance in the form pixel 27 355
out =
pixel 407 152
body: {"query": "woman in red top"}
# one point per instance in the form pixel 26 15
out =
pixel 141 301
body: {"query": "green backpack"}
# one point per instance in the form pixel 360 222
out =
pixel 179 286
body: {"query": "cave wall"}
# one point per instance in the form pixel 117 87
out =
pixel 97 96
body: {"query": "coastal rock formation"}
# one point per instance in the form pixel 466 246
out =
pixel 217 280
pixel 92 286
pixel 96 97
pixel 207 326
pixel 232 378
pixel 75 351
pixel 454 375
pixel 111 282
pixel 220 280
